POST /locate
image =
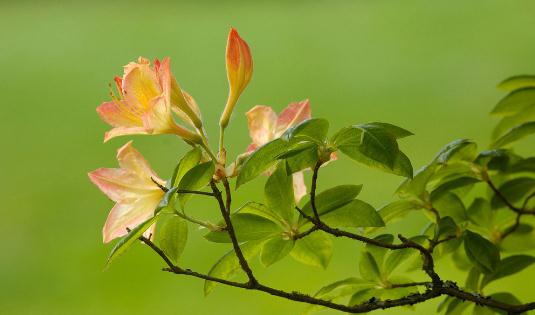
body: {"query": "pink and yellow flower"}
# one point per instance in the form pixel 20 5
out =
pixel 148 96
pixel 132 187
pixel 265 125
pixel 239 72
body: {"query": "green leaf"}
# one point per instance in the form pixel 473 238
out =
pixel 166 200
pixel 261 160
pixel 314 129
pixel 314 250
pixel 274 250
pixel 356 213
pixel 395 131
pixel 377 252
pixel 517 82
pixel 416 186
pixel 172 236
pixel 509 122
pixel 365 295
pixel 397 210
pixel 126 241
pixel 480 213
pixel 449 204
pixel 515 102
pixel 508 266
pixel 344 287
pixel 472 280
pixel 505 297
pixel 374 145
pixel 458 150
pixel 247 227
pixel 303 160
pixel 453 184
pixel 194 179
pixel 495 159
pixel 526 165
pixel 515 134
pixel 483 254
pixel 447 227
pixel 190 159
pixel 331 199
pixel 514 191
pixel 227 266
pixel 262 211
pixel 279 194
pixel 396 258
pixel 368 267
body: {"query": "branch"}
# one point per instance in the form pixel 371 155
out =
pixel 446 288
pixel 225 212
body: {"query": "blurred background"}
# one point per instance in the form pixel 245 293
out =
pixel 428 66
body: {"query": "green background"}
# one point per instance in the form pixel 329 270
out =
pixel 428 66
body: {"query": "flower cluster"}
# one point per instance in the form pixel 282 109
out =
pixel 150 101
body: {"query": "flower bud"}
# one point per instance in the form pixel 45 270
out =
pixel 239 72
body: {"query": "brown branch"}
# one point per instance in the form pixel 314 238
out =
pixel 313 190
pixel 232 234
pixel 446 288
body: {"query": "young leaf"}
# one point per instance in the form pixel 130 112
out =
pixel 356 213
pixel 483 254
pixel 517 82
pixel 279 193
pixel 314 250
pixel 508 266
pixel 331 199
pixel 189 160
pixel 126 241
pixel 378 144
pixel 314 130
pixel 368 267
pixel 261 160
pixel 228 265
pixel 247 227
pixel 194 179
pixel 515 102
pixel 365 295
pixel 515 134
pixel 274 250
pixel 172 236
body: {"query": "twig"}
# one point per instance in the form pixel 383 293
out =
pixel 232 234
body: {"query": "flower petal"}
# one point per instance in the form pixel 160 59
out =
pixel 130 159
pixel 129 214
pixel 117 114
pixel 261 121
pixel 300 189
pixel 120 184
pixel 140 85
pixel 123 131
pixel 159 120
pixel 292 115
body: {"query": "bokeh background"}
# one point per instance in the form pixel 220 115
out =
pixel 428 66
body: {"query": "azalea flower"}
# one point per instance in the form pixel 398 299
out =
pixel 265 125
pixel 147 99
pixel 133 188
pixel 239 72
